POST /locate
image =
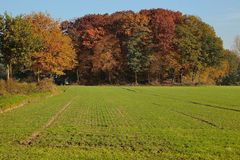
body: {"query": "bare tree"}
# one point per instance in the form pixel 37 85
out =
pixel 236 46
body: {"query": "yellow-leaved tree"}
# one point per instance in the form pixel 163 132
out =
pixel 57 53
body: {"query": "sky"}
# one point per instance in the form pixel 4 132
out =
pixel 223 15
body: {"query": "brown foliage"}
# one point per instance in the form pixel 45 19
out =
pixel 100 42
pixel 57 53
pixel 107 56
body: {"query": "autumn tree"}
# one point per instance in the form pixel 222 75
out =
pixel 106 57
pixel 162 24
pixel 17 42
pixel 57 53
pixel 157 44
pixel 85 33
pixel 163 44
pixel 233 75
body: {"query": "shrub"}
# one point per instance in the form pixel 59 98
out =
pixel 46 85
pixel 2 88
pixel 15 87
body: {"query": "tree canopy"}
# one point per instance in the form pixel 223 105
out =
pixel 34 42
pixel 155 46
pixel 17 42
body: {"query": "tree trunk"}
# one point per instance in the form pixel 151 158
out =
pixel 157 77
pixel 161 77
pixel 173 79
pixel 193 78
pixel 181 75
pixel 199 79
pixel 78 77
pixel 8 73
pixel 136 79
pixel 109 78
pixel 180 78
pixel 38 75
pixel 149 78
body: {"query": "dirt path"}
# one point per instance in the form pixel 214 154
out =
pixel 29 140
pixel 15 107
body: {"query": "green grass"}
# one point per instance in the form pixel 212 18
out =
pixel 10 101
pixel 126 123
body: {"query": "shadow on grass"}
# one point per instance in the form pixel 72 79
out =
pixel 127 89
pixel 200 119
pixel 214 106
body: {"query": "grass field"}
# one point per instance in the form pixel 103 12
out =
pixel 8 102
pixel 126 123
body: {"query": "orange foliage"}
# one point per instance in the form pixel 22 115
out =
pixel 57 53
pixel 107 56
pixel 211 74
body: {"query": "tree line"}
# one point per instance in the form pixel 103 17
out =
pixel 154 46
pixel 34 45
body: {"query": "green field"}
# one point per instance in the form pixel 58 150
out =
pixel 8 102
pixel 126 123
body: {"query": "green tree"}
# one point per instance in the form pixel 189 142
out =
pixel 1 32
pixel 197 45
pixel 17 42
pixel 212 51
pixel 233 76
pixel 188 46
pixel 139 52
pixel 135 36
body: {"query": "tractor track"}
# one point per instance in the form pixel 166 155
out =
pixel 35 135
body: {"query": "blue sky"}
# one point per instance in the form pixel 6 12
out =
pixel 223 15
